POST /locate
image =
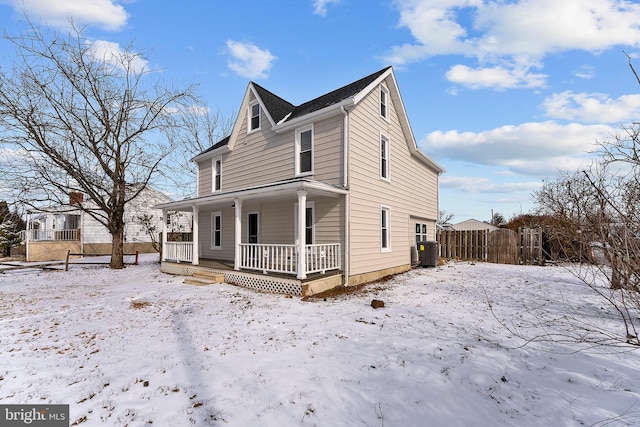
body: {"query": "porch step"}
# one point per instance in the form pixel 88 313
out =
pixel 203 278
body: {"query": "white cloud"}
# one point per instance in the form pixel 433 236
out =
pixel 112 53
pixel 477 184
pixel 592 107
pixel 585 72
pixel 498 77
pixel 320 6
pixel 511 37
pixel 107 14
pixel 248 60
pixel 535 149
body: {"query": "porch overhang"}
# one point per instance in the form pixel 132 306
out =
pixel 271 191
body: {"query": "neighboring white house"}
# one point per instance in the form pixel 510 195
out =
pixel 473 224
pixel 333 189
pixel 54 231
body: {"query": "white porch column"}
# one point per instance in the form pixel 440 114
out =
pixel 196 240
pixel 302 209
pixel 163 256
pixel 238 233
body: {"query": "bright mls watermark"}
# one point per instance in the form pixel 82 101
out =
pixel 34 415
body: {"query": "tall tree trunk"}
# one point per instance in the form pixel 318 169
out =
pixel 117 249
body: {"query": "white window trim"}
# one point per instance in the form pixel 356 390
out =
pixel 310 204
pixel 420 236
pixel 250 116
pixel 214 172
pixel 386 209
pixel 388 157
pixel 385 90
pixel 215 215
pixel 297 150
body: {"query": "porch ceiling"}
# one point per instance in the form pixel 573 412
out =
pixel 284 190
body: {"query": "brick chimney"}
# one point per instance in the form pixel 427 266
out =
pixel 75 198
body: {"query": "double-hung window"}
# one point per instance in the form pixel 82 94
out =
pixel 384 158
pixel 304 150
pixel 384 102
pixel 216 230
pixel 385 229
pixel 217 174
pixel 254 116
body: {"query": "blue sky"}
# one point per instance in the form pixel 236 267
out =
pixel 503 94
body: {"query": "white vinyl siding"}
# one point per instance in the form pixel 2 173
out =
pixel 413 192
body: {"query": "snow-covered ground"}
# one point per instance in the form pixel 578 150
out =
pixel 137 347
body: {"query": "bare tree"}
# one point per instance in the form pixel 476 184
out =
pixel 79 118
pixel 201 129
pixel 598 219
pixel 444 217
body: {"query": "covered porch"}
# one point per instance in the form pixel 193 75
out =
pixel 288 230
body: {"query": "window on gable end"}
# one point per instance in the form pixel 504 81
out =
pixel 384 158
pixel 384 102
pixel 254 116
pixel 304 150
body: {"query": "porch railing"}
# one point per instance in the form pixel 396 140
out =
pixel 41 235
pixel 280 258
pixel 178 251
pixel 274 258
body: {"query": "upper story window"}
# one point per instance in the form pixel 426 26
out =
pixel 384 102
pixel 254 116
pixel 216 184
pixel 304 150
pixel 384 158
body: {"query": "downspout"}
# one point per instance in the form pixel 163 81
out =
pixel 347 200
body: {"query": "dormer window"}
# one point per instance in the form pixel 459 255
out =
pixel 254 116
pixel 384 102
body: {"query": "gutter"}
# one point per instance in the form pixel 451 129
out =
pixel 323 113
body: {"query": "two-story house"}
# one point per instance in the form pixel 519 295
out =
pixel 338 180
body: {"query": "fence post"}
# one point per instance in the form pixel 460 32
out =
pixel 66 265
pixel 136 262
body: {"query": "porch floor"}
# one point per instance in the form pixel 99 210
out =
pixel 254 279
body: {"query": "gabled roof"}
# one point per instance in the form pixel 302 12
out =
pixel 335 96
pixel 224 141
pixel 283 115
pixel 276 107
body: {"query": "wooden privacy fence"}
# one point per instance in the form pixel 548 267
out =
pixel 501 246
